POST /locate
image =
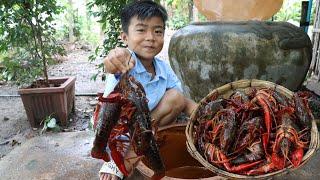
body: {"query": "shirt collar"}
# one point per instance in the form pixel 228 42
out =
pixel 159 69
pixel 139 68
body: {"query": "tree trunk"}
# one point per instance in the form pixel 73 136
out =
pixel 102 31
pixel 195 14
pixel 190 8
pixel 71 22
pixel 88 21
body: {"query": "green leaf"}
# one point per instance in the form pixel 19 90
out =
pixel 52 123
pixel 97 50
pixel 94 77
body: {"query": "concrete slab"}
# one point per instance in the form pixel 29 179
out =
pixel 313 84
pixel 310 170
pixel 55 156
pixel 67 156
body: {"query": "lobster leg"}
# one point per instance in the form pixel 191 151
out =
pixel 215 132
pixel 239 168
pixel 274 163
pixel 118 159
pixel 267 120
pixel 296 156
pixel 265 142
pixel 263 169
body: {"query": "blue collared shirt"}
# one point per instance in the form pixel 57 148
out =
pixel 155 88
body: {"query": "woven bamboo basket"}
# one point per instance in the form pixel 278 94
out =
pixel 225 92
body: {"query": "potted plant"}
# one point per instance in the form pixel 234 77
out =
pixel 28 43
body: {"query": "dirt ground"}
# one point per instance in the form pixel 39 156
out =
pixel 14 126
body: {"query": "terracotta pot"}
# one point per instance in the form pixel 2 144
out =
pixel 55 101
pixel 178 162
pixel 240 10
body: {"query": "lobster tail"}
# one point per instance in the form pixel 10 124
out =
pixel 152 154
pixel 107 119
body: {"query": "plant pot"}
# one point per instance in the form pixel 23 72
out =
pixel 55 101
pixel 178 162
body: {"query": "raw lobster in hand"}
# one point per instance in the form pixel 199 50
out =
pixel 125 113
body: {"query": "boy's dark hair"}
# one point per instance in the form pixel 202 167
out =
pixel 143 10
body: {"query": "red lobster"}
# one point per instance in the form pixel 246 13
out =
pixel 267 102
pixel 287 138
pixel 216 156
pixel 302 110
pixel 125 111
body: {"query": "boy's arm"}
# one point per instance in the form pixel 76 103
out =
pixel 174 82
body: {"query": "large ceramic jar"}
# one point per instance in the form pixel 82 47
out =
pixel 208 55
pixel 239 10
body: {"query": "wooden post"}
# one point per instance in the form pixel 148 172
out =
pixel 315 62
pixel 71 23
pixel 304 13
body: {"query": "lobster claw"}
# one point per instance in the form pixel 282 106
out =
pixel 296 156
pixel 265 142
pixel 100 155
pixel 279 162
pixel 119 160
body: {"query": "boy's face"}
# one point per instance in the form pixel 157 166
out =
pixel 145 37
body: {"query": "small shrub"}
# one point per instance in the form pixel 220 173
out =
pixel 27 39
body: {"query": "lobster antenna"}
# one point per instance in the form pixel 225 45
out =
pixel 131 53
pixel 128 61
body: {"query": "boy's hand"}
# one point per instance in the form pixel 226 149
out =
pixel 117 61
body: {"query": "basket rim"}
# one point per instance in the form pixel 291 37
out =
pixel 245 83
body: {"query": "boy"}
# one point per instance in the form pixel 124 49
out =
pixel 143 26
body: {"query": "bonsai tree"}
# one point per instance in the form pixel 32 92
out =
pixel 27 41
pixel 109 17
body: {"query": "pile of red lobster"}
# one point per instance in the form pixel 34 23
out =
pixel 123 119
pixel 254 132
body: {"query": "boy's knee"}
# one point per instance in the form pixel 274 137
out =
pixel 175 99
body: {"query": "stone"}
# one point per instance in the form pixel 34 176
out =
pixel 208 55
pixel 54 156
pixel 93 102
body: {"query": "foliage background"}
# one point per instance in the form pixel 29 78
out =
pixel 96 23
pixel 27 41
